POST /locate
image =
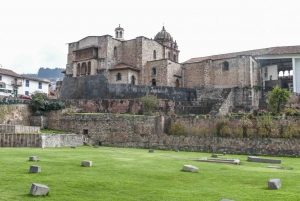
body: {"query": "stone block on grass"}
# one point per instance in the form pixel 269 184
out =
pixel 151 151
pixel 274 184
pixel 190 168
pixel 35 169
pixel 214 155
pixel 33 158
pixel 39 189
pixel 86 163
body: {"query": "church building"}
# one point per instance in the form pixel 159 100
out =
pixel 140 61
pixel 154 62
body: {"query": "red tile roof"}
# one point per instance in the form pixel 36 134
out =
pixel 123 66
pixel 258 52
pixel 10 73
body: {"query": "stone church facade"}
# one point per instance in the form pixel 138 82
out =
pixel 140 61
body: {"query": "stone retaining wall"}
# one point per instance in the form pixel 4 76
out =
pixel 61 140
pixel 148 132
pixel 40 140
pixel 20 140
pixel 6 128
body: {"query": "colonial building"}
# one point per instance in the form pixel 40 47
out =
pixel 13 84
pixel 140 61
pixel 262 67
pixel 154 62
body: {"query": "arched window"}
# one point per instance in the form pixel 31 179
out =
pixel 174 57
pixel 119 76
pixel 132 80
pixel 89 68
pixel 115 51
pixel 177 83
pixel 225 66
pixel 169 55
pixel 153 82
pixel 153 71
pixel 78 70
pixel 121 34
pixel 83 69
pixel 280 74
pixel 154 54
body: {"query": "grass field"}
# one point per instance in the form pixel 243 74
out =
pixel 135 174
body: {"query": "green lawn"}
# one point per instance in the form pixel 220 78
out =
pixel 135 174
pixel 48 131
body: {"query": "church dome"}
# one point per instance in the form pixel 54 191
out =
pixel 163 35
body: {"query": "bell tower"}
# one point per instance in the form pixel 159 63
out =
pixel 119 33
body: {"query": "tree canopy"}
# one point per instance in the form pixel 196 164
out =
pixel 278 97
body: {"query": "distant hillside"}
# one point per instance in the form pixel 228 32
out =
pixel 53 74
pixel 50 73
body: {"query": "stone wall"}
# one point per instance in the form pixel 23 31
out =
pixel 40 121
pixel 88 87
pixel 116 106
pixel 15 114
pixel 149 132
pixel 20 140
pixel 61 140
pixel 242 72
pixel 40 140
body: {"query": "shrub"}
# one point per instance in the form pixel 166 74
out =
pixel 193 131
pixel 238 132
pixel 149 103
pixel 203 131
pixel 245 124
pixel 220 124
pixel 225 131
pixel 177 129
pixel 278 97
pixel 290 111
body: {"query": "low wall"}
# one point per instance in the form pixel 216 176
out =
pixel 20 140
pixel 40 140
pixel 6 128
pixel 61 140
pixel 149 132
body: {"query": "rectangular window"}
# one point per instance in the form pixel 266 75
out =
pixel 27 93
pixel 27 83
pixel 40 85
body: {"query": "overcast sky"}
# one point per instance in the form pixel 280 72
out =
pixel 34 33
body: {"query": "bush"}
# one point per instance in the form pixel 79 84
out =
pixel 220 124
pixel 225 131
pixel 291 111
pixel 149 103
pixel 193 131
pixel 245 124
pixel 177 129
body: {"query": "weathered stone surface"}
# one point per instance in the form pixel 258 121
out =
pixel 151 151
pixel 86 163
pixel 214 155
pixel 33 158
pixel 190 168
pixel 274 184
pixel 39 189
pixel 263 160
pixel 35 169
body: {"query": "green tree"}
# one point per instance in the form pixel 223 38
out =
pixel 278 97
pixel 149 103
pixel 38 101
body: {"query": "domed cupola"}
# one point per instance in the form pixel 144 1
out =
pixel 163 36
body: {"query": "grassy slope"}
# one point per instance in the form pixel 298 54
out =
pixel 135 174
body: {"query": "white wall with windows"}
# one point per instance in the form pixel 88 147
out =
pixel 31 85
